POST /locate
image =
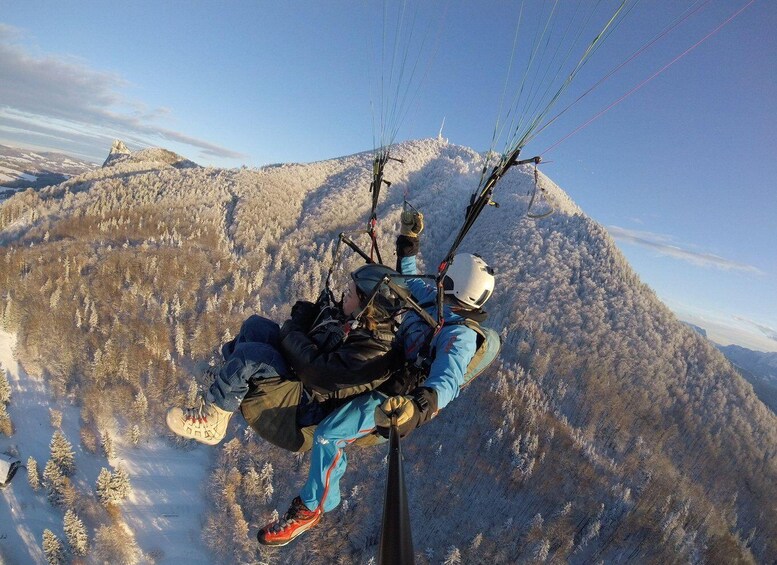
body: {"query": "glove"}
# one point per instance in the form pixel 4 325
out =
pixel 304 313
pixel 406 411
pixel 412 223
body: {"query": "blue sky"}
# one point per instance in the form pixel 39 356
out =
pixel 682 172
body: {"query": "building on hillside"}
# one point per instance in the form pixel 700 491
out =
pixel 8 468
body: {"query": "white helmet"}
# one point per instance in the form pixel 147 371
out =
pixel 469 279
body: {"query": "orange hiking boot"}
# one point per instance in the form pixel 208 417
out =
pixel 297 520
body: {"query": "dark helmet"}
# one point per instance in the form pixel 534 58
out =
pixel 386 302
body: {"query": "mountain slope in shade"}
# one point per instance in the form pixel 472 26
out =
pixel 608 431
pixel 758 368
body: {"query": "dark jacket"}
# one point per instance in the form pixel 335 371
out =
pixel 334 362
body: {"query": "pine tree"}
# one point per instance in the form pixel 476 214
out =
pixel 52 547
pixel 541 551
pixel 32 473
pixel 453 557
pixel 62 453
pixel 76 534
pixel 252 488
pixel 107 442
pixel 239 525
pixel 68 493
pixel 135 435
pixel 112 488
pixel 104 487
pixel 56 418
pixel 6 426
pixel 266 478
pixel 54 481
pixel 120 484
pixel 88 438
pixel 476 541
pixel 180 339
pixel 5 387
pixel 114 544
pixel 193 394
pixel 93 320
pixel 140 407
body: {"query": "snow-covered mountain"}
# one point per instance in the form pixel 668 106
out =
pixel 153 156
pixel 21 169
pixel 609 431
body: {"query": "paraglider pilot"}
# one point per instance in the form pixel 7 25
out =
pixel 410 394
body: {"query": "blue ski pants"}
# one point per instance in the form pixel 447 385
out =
pixel 328 459
pixel 252 354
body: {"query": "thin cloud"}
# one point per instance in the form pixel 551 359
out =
pixel 664 245
pixel 39 89
pixel 766 330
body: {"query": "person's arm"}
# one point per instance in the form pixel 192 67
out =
pixel 407 249
pixel 360 361
pixel 408 245
pixel 455 348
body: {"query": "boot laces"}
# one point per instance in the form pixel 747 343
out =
pixel 292 516
pixel 198 413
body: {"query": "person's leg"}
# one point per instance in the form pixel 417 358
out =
pixel 328 461
pixel 255 329
pixel 245 359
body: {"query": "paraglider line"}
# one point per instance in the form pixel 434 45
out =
pixel 650 78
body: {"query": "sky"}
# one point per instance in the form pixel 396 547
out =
pixel 680 167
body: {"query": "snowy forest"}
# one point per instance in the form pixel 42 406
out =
pixel 608 431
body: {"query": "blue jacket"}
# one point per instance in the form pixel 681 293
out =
pixel 454 346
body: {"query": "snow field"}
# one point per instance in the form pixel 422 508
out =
pixel 164 510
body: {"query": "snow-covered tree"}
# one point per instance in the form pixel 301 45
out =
pixel 180 339
pixel 88 438
pixel 32 473
pixel 453 556
pixel 541 551
pixel 193 393
pixel 5 387
pixel 140 407
pixel 56 418
pixel 104 491
pixel 252 488
pixel 113 488
pixel 62 453
pixel 54 481
pixel 476 541
pixel 114 544
pixel 107 444
pixel 6 426
pixel 52 548
pixel 120 484
pixel 266 476
pixel 93 320
pixel 134 435
pixel 76 534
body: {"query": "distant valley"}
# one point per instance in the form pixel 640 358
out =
pixel 21 169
